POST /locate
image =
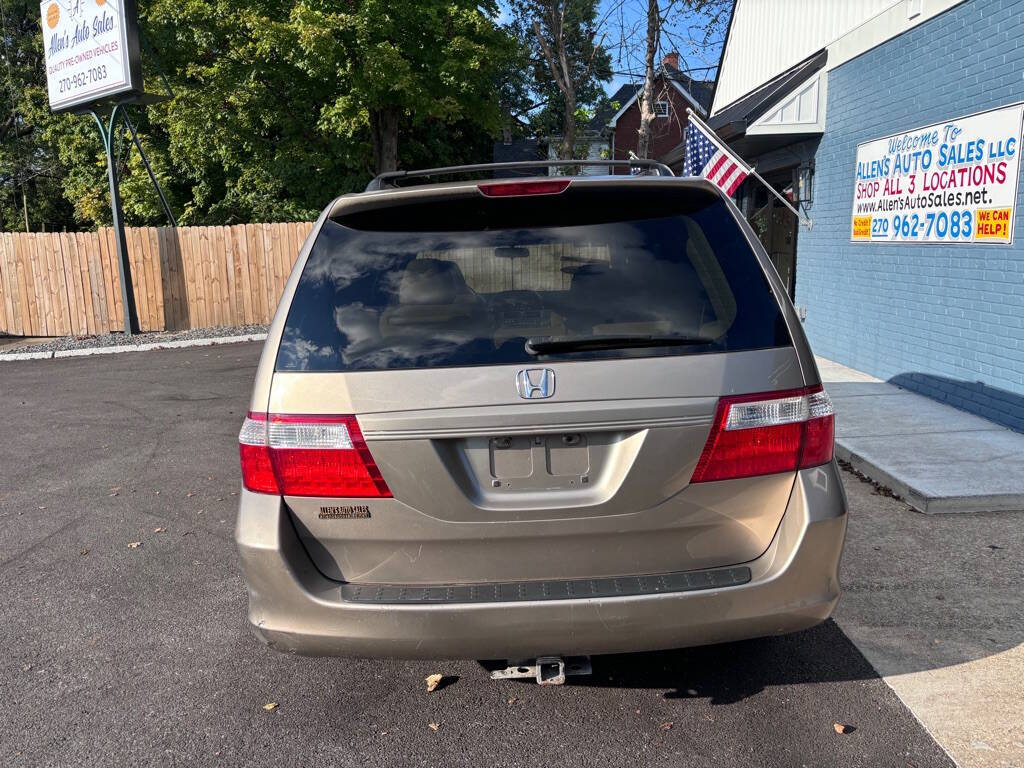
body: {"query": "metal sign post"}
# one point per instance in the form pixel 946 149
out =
pixel 130 315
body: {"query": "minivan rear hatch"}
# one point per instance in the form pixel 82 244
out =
pixel 534 379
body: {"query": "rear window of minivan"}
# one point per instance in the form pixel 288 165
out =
pixel 471 280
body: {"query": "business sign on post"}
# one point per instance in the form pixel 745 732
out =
pixel 91 48
pixel 952 182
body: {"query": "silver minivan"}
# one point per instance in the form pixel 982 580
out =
pixel 529 417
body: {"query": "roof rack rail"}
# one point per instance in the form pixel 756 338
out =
pixel 386 180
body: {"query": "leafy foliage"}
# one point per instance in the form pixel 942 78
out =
pixel 274 101
pixel 388 61
pixel 25 167
pixel 569 29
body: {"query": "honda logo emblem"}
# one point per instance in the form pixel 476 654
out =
pixel 535 383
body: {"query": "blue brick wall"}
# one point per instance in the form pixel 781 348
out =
pixel 947 321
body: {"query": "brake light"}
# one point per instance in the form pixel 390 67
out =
pixel 522 188
pixel 292 455
pixel 768 433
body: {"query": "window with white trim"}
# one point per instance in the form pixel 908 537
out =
pixel 661 109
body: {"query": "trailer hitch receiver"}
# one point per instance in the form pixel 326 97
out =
pixel 546 670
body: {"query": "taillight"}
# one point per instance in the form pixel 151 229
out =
pixel 522 188
pixel 308 456
pixel 768 433
pixel 257 473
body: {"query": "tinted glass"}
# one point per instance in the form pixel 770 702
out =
pixel 472 282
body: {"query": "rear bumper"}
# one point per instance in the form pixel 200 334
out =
pixel 794 585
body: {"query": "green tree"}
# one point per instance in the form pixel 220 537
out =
pixel 569 64
pixel 241 130
pixel 389 61
pixel 278 107
pixel 31 174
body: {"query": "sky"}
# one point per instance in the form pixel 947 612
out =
pixel 680 34
pixel 627 56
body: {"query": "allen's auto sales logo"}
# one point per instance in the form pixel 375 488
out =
pixel 75 9
pixel 345 512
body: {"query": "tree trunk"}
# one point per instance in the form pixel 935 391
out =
pixel 643 145
pixel 384 133
pixel 558 64
pixel 568 149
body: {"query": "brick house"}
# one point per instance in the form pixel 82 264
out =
pixel 613 131
pixel 674 92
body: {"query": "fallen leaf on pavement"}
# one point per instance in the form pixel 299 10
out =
pixel 84 552
pixel 666 726
pixel 112 493
pixel 434 726
pixel 841 728
pixel 433 681
pixel 270 705
pixel 190 494
pixel 134 544
pixel 159 530
pixel 512 700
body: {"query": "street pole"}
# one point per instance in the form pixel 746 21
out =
pixel 131 323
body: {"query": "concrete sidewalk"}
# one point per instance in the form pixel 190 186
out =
pixel 938 458
pixel 933 603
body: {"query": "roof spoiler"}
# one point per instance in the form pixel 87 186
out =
pixel 389 180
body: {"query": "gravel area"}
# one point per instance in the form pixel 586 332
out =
pixel 62 343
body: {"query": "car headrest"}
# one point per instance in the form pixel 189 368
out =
pixel 432 281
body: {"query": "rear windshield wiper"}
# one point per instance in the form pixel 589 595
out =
pixel 545 344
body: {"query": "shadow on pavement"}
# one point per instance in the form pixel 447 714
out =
pixel 732 672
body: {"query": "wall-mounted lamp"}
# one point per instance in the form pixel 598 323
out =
pixel 805 184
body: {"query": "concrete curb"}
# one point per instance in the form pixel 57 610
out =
pixel 924 502
pixel 113 350
pixel 27 356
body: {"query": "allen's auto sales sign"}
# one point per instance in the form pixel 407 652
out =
pixel 952 182
pixel 91 50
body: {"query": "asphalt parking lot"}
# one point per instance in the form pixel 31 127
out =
pixel 140 655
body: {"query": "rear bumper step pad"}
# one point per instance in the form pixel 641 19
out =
pixel 523 591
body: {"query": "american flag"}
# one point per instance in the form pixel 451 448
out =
pixel 706 157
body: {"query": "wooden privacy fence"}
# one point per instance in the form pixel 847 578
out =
pixel 59 283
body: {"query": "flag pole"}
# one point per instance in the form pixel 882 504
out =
pixel 748 168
